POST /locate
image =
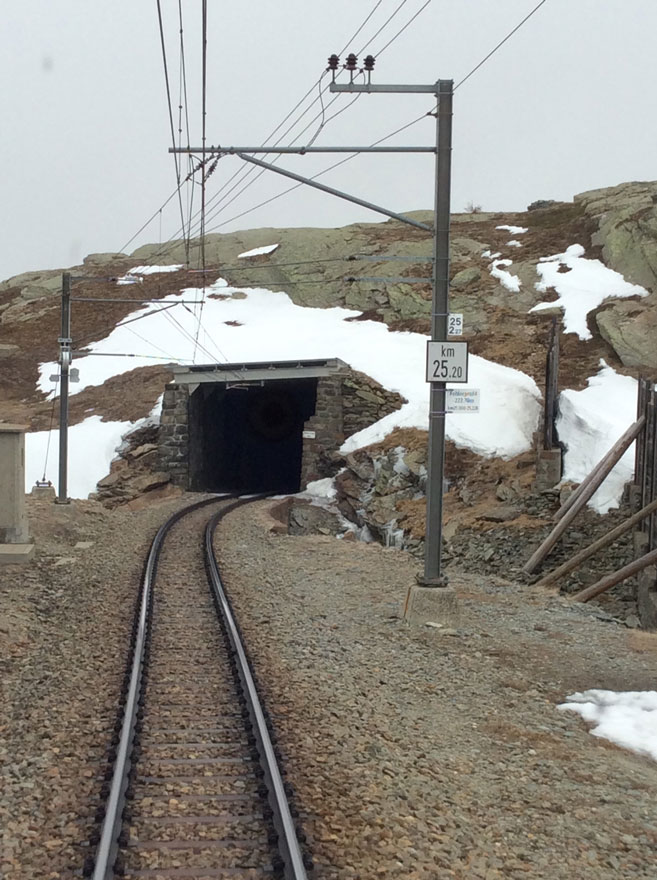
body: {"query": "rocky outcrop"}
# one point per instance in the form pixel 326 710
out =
pixel 630 327
pixel 374 483
pixel 135 472
pixel 626 216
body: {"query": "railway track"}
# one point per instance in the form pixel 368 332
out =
pixel 195 790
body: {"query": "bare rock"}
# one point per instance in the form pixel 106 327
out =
pixel 147 482
pixel 503 513
pixel 142 450
pixel 465 278
pixel 630 328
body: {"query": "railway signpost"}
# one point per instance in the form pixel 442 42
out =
pixel 455 362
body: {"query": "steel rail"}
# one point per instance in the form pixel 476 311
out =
pixel 108 845
pixel 288 843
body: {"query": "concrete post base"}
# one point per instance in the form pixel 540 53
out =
pixel 431 605
pixel 15 553
pixel 47 492
pixel 548 469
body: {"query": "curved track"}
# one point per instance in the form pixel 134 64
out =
pixel 195 789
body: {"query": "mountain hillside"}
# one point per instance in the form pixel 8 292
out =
pixel 592 263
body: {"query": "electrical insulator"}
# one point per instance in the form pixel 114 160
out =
pixel 351 62
pixel 369 63
pixel 333 62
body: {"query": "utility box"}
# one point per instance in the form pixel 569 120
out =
pixel 15 544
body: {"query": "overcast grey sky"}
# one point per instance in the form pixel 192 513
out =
pixel 566 105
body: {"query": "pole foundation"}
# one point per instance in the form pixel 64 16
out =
pixel 435 604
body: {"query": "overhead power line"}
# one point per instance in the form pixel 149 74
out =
pixel 401 30
pixel 168 91
pixel 500 44
pixel 242 175
pixel 392 134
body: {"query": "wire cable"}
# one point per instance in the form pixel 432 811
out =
pixel 168 90
pixel 251 172
pixel 248 172
pixel 401 31
pixel 183 95
pixel 500 44
pixel 111 327
pixel 204 177
pixel 383 26
pixel 319 174
pixel 52 419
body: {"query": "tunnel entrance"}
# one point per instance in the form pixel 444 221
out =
pixel 248 438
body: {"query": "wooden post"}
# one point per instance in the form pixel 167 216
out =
pixel 639 452
pixel 551 386
pixel 593 548
pixel 602 468
pixel 592 484
pixel 612 579
pixel 651 413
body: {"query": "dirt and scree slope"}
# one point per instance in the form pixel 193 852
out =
pixel 617 225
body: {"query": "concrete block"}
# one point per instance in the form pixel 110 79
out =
pixel 13 518
pixel 13 554
pixel 548 469
pixel 47 492
pixel 431 605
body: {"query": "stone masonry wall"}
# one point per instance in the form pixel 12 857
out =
pixel 365 402
pixel 327 425
pixel 174 434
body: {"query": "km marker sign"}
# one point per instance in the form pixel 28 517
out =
pixel 447 362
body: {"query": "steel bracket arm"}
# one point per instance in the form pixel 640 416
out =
pixel 334 192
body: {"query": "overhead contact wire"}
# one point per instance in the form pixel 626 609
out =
pixel 251 172
pixel 500 44
pixel 168 90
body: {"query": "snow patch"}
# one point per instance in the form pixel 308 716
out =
pixel 627 718
pixel 255 252
pixel 91 447
pixel 274 328
pixel 514 230
pixel 324 489
pixel 583 287
pixel 504 426
pixel 589 423
pixel 506 279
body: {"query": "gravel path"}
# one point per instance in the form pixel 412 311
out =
pixel 418 753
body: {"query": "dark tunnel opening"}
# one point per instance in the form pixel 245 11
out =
pixel 249 438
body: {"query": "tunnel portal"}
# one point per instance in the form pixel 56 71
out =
pixel 252 427
pixel 249 438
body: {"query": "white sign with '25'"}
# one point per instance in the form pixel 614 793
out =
pixel 455 324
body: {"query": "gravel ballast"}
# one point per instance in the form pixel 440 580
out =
pixel 413 752
pixel 65 622
pixel 429 753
